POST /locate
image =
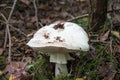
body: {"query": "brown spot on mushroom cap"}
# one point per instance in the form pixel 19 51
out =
pixel 59 26
pixel 59 39
pixel 46 36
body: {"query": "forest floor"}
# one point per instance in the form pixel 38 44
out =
pixel 20 19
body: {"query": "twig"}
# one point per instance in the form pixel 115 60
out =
pixel 18 30
pixel 6 36
pixel 40 24
pixel 36 14
pixel 109 11
pixel 98 41
pixel 8 30
pixel 5 40
pixel 3 16
pixel 72 17
pixel 85 15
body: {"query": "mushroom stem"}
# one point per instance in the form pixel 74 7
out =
pixel 61 70
pixel 60 60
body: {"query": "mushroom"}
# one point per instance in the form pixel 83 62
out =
pixel 57 40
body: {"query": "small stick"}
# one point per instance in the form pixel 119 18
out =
pixel 18 30
pixel 98 41
pixel 85 15
pixel 6 36
pixel 5 40
pixel 8 30
pixel 36 14
pixel 40 24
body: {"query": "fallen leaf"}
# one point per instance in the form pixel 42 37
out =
pixel 27 2
pixel 1 51
pixel 33 19
pixel 107 71
pixel 3 5
pixel 116 34
pixel 14 66
pixel 64 14
pixel 1 73
pixel 45 20
pixel 57 8
pixel 29 24
pixel 79 79
pixel 12 77
pixel 104 37
pixel 43 7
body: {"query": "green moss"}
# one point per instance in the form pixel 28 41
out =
pixel 82 21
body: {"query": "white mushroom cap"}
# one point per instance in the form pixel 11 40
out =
pixel 60 37
pixel 57 39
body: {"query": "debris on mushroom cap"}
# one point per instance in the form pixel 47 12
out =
pixel 66 35
pixel 59 26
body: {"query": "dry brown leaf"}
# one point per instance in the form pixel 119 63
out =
pixel 116 18
pixel 104 37
pixel 3 5
pixel 30 21
pixel 18 69
pixel 1 51
pixel 107 71
pixel 43 6
pixel 29 24
pixel 45 20
pixel 27 2
pixel 33 19
pixel 57 8
pixel 64 14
